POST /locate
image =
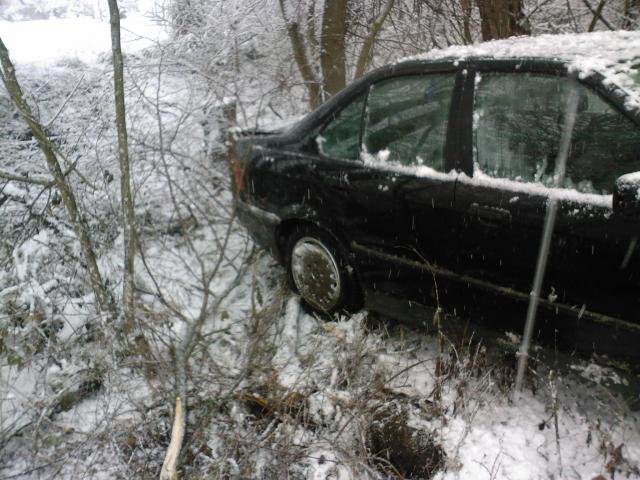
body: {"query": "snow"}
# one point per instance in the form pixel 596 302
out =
pixel 83 38
pixel 481 179
pixel 325 463
pixel 380 160
pixel 536 188
pixel 13 190
pixel 631 180
pixel 17 388
pixel 599 374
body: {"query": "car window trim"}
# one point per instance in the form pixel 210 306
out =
pixel 459 143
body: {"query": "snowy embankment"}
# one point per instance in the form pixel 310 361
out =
pixel 274 392
pixel 78 38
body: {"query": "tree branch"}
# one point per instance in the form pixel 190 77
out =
pixel 597 15
pixel 45 182
pixel 23 179
pixel 8 76
pixel 301 58
pixel 369 41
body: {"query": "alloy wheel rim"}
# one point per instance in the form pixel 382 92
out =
pixel 315 273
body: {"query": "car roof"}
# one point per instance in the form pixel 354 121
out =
pixel 613 55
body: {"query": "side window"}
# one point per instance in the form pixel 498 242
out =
pixel 341 137
pixel 517 125
pixel 605 145
pixel 518 122
pixel 406 119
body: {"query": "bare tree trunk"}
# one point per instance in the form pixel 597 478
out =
pixel 501 19
pixel 332 45
pixel 103 300
pixel 466 21
pixel 312 39
pixel 631 11
pixel 365 53
pixel 301 58
pixel 128 223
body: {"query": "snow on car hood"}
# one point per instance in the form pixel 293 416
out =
pixel 614 55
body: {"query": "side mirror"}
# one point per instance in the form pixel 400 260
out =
pixel 626 195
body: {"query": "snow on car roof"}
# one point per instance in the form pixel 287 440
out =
pixel 614 55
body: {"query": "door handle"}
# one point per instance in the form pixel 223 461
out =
pixel 490 215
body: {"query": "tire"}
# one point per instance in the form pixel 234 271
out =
pixel 319 272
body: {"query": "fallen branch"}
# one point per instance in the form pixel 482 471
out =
pixel 169 471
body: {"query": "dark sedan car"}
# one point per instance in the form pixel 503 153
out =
pixel 426 182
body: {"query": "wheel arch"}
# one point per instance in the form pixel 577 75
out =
pixel 288 225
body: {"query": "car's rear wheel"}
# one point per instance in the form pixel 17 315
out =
pixel 319 271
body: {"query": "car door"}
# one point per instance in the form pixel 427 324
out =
pixel 518 119
pixel 357 200
pixel 403 149
pixel 601 244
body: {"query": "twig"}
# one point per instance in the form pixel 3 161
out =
pixel 24 179
pixel 45 182
pixel 65 102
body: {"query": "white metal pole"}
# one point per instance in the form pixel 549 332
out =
pixel 547 232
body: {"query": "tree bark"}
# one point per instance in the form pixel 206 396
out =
pixel 332 45
pixel 501 19
pixel 630 13
pixel 7 73
pixel 466 21
pixel 312 38
pixel 128 223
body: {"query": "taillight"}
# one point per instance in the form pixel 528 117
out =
pixel 238 176
pixel 236 166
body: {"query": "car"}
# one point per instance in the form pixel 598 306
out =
pixel 427 182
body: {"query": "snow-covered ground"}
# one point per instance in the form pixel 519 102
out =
pixel 83 37
pixel 275 392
